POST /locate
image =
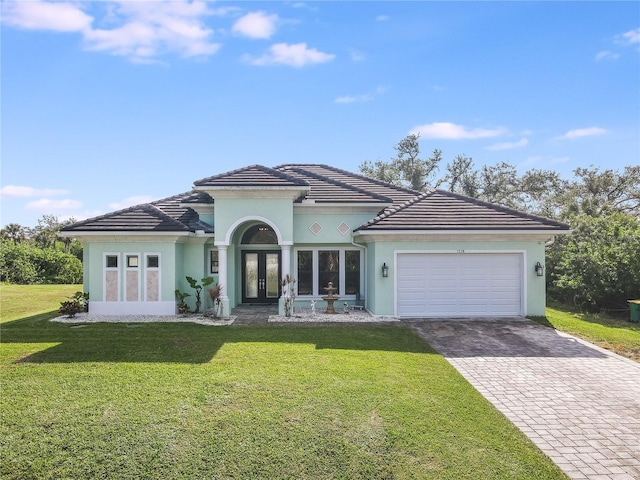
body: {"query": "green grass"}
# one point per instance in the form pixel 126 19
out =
pixel 189 401
pixel 616 334
pixel 18 301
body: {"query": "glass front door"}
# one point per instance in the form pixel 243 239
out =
pixel 260 277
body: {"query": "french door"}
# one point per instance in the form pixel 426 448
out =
pixel 260 276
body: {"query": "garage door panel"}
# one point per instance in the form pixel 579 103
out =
pixel 450 285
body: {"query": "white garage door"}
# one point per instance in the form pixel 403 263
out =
pixel 459 285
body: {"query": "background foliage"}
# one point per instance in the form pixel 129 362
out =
pixel 38 256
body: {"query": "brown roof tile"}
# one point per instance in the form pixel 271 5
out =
pixel 398 195
pixel 441 210
pixel 166 215
pixel 252 176
pixel 329 190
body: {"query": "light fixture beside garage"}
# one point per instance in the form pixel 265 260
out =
pixel 539 269
pixel 385 270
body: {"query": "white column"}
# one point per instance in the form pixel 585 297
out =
pixel 286 260
pixel 222 270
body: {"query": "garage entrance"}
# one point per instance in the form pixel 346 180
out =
pixel 459 284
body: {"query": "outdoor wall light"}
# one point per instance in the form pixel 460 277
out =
pixel 539 269
pixel 385 270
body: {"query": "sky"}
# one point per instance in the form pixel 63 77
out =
pixel 107 104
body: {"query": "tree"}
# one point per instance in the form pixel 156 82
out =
pixel 596 193
pixel 597 266
pixel 407 169
pixel 14 232
pixel 46 232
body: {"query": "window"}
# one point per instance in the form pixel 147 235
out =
pixel 305 272
pixel 351 272
pixel 153 261
pixel 132 261
pixel 260 235
pixel 328 269
pixel 112 261
pixel 214 261
pixel 315 268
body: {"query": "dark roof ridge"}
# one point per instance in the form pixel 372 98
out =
pixel 347 172
pixel 264 169
pixel 502 208
pixel 166 216
pixel 340 184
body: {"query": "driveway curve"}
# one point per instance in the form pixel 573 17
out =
pixel 580 404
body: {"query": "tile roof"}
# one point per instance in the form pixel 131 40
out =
pixel 166 215
pixel 195 196
pixel 252 176
pixel 441 210
pixel 329 190
pixel 410 210
pixel 397 194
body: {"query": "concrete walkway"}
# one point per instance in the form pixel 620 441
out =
pixel 580 404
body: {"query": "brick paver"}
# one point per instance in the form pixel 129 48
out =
pixel 580 404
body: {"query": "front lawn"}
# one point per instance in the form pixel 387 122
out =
pixel 615 334
pixel 178 401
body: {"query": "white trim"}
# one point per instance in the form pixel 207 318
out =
pixel 523 270
pixel 127 268
pixel 133 308
pixel 153 269
pixel 315 264
pixel 123 233
pixel 542 232
pixel 106 269
pixel 250 218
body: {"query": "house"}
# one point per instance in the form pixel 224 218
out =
pixel 404 253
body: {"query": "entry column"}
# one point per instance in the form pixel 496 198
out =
pixel 222 278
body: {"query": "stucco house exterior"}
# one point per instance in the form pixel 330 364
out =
pixel 400 252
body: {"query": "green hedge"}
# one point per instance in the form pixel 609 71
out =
pixel 23 263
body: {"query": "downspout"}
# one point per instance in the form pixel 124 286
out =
pixel 362 294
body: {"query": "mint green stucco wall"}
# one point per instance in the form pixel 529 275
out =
pixel 95 273
pixel 329 224
pixel 277 211
pixel 381 293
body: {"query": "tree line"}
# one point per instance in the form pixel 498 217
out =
pixel 37 255
pixel 597 266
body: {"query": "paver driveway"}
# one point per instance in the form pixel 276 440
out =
pixel 579 403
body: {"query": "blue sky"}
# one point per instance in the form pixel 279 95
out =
pixel 108 104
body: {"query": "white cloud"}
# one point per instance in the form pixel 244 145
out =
pixel 583 132
pixel 451 131
pixel 509 145
pixel 366 97
pixel 607 55
pixel 256 25
pixel 296 55
pixel 150 29
pixel 382 18
pixel 141 30
pixel 46 205
pixel 130 201
pixel 630 37
pixel 22 191
pixel 37 15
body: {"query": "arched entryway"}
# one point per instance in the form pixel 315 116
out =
pixel 260 265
